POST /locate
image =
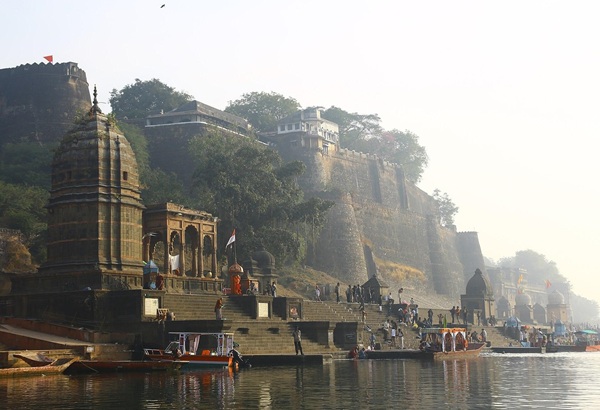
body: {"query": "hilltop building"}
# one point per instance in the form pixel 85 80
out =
pixel 308 129
pixel 169 134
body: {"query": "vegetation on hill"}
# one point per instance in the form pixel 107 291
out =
pixel 541 271
pixel 251 189
pixel 263 110
pixel 144 98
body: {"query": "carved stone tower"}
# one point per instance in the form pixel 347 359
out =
pixel 95 208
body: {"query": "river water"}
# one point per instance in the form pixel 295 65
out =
pixel 550 381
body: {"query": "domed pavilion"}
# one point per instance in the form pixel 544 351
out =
pixel 557 308
pixel 523 307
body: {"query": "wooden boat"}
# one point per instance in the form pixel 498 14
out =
pixel 521 349
pixel 116 366
pixel 34 360
pixel 565 348
pixel 56 367
pixel 198 349
pixel 447 343
pixel 589 339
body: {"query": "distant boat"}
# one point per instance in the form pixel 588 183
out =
pixel 56 367
pixel 521 349
pixel 589 339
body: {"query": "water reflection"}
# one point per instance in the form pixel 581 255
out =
pixel 569 380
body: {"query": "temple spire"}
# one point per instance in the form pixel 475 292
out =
pixel 95 109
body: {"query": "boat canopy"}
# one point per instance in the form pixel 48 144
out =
pixel 189 342
pixel 445 339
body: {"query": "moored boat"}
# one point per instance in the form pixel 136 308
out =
pixel 116 366
pixel 447 343
pixel 589 339
pixel 34 360
pixel 521 349
pixel 56 367
pixel 199 349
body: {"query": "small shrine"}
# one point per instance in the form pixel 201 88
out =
pixel 378 287
pixel 479 297
pixel 261 268
pixel 523 307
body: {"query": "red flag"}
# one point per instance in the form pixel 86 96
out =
pixel 49 58
pixel 232 239
pixel 548 284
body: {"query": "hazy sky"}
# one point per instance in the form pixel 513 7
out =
pixel 503 95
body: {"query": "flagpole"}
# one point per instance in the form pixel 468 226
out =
pixel 234 253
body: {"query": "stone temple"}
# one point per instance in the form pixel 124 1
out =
pixel 101 237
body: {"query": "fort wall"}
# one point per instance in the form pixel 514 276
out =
pixel 379 211
pixel 39 102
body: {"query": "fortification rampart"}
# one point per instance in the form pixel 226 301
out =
pixel 380 213
pixel 38 102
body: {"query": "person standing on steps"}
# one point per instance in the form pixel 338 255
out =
pixel 298 341
pixel 218 309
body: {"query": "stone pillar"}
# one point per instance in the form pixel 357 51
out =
pixel 182 255
pixel 194 259
pixel 201 253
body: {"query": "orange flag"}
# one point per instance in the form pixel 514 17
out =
pixel 49 58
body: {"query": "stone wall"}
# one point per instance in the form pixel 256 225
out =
pixel 379 212
pixel 38 102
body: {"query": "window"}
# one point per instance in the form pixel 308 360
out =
pixel 125 175
pixel 289 127
pixel 282 128
pixel 297 126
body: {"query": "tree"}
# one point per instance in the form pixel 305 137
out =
pixel 23 208
pixel 538 267
pixel 263 110
pixel 26 163
pixel 144 98
pixel 353 127
pixel 252 190
pixel 446 208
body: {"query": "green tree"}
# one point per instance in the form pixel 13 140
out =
pixel 26 163
pixel 139 144
pixel 252 190
pixel 159 186
pixel 353 127
pixel 144 98
pixel 23 208
pixel 263 110
pixel 447 209
pixel 538 267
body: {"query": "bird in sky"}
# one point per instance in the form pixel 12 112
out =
pixel 162 6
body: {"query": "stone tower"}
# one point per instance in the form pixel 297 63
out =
pixel 95 208
pixel 38 102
